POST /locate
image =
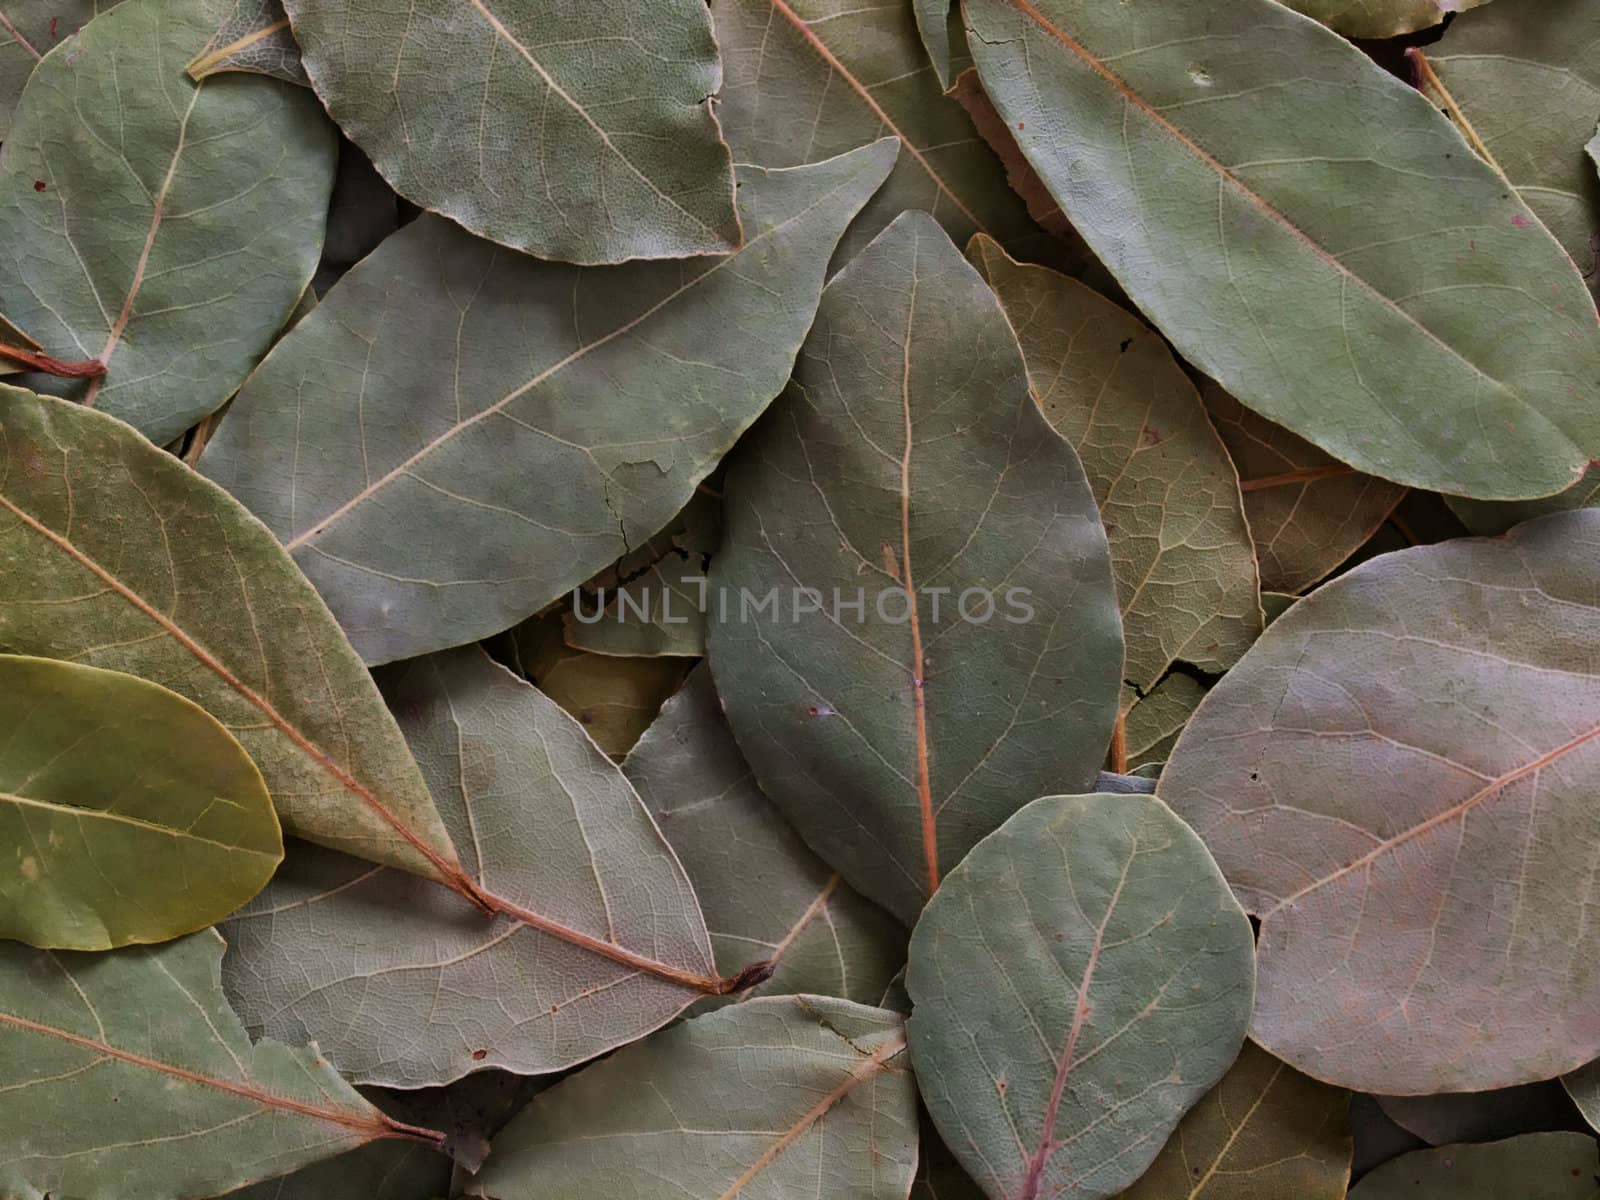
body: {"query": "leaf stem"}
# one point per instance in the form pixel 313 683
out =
pixel 90 368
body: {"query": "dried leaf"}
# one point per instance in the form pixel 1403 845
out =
pixel 255 36
pixel 30 29
pixel 1381 18
pixel 1535 1166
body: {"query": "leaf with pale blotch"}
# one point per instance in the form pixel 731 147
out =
pixel 763 892
pixel 1397 779
pixel 162 227
pixel 1307 512
pixel 1168 494
pixel 116 555
pixel 1482 1116
pixel 600 939
pixel 575 132
pixel 30 29
pixel 254 36
pixel 1265 1132
pixel 780 1097
pixel 1155 722
pixel 127 1077
pixel 909 457
pixel 1535 1166
pixel 1382 18
pixel 131 814
pixel 1194 147
pixel 459 435
pixel 1080 981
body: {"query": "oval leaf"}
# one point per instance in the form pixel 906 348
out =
pixel 576 132
pixel 1382 18
pixel 558 417
pixel 134 815
pixel 29 31
pixel 177 222
pixel 128 1075
pixel 1398 779
pixel 909 463
pixel 1433 312
pixel 1077 984
pixel 830 1111
pixel 117 555
pixel 1535 1166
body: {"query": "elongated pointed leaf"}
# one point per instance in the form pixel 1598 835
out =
pixel 132 814
pixel 1077 984
pixel 576 132
pixel 1398 779
pixel 441 479
pixel 1265 1132
pixel 118 556
pixel 1381 18
pixel 764 893
pixel 127 1076
pixel 163 227
pixel 908 470
pixel 30 29
pixel 1168 494
pixel 831 1111
pixel 1535 1166
pixel 605 943
pixel 1435 335
pixel 254 36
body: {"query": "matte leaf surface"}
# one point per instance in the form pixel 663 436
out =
pixel 130 813
pixel 30 29
pixel 1535 1166
pixel 1397 780
pixel 1381 18
pixel 909 464
pixel 116 555
pixel 177 223
pixel 254 36
pixel 1160 715
pixel 768 1100
pixel 1196 147
pixel 1078 983
pixel 127 1077
pixel 575 132
pixel 600 939
pixel 764 893
pixel 530 420
pixel 1481 1116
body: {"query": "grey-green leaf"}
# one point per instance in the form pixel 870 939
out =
pixel 1381 18
pixel 602 940
pixel 909 470
pixel 1435 334
pixel 30 29
pixel 772 1099
pixel 127 1077
pixel 764 893
pixel 1077 984
pixel 441 477
pixel 116 555
pixel 130 813
pixel 1535 1166
pixel 163 227
pixel 1398 780
pixel 254 36
pixel 576 132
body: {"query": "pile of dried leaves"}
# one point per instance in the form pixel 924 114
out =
pixel 1149 755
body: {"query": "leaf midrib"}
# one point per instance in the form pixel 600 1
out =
pixel 104 814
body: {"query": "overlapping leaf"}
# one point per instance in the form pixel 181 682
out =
pixel 254 36
pixel 1077 984
pixel 1481 1116
pixel 576 132
pixel 127 1077
pixel 1397 780
pixel 459 434
pixel 599 940
pixel 162 227
pixel 1435 334
pixel 1381 18
pixel 1535 1166
pixel 30 29
pixel 131 814
pixel 116 555
pixel 831 1112
pixel 908 471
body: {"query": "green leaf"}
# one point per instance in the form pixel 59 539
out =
pixel 1535 1166
pixel 133 815
pixel 128 1077
pixel 1382 18
pixel 161 227
pixel 909 456
pixel 1196 147
pixel 1398 779
pixel 1155 722
pixel 779 1097
pixel 1168 494
pixel 575 132
pixel 600 939
pixel 1481 1116
pixel 764 894
pixel 440 478
pixel 1266 1132
pixel 30 29
pixel 1078 983
pixel 118 556
pixel 254 36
